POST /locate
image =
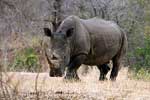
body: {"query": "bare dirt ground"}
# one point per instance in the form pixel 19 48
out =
pixel 89 88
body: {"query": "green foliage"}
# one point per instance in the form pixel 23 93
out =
pixel 26 60
pixel 143 54
pixel 147 30
pixel 142 66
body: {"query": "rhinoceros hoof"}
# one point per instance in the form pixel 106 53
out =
pixel 113 78
pixel 103 78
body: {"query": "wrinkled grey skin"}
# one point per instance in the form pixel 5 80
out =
pixel 90 42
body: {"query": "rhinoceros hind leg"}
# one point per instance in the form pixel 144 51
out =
pixel 115 69
pixel 104 69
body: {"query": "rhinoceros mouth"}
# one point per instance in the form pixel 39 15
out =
pixel 57 70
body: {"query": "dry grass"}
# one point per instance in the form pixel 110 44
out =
pixel 48 88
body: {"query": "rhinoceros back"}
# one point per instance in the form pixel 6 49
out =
pixel 105 39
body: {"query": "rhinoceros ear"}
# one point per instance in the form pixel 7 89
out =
pixel 47 32
pixel 69 32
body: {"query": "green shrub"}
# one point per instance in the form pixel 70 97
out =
pixel 142 67
pixel 26 60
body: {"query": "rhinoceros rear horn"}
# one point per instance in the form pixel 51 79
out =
pixel 47 32
pixel 69 32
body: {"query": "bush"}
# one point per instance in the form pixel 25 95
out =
pixel 26 60
pixel 142 66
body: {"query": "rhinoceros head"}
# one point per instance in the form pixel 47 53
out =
pixel 60 50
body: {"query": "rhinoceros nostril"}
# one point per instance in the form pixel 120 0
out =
pixel 54 57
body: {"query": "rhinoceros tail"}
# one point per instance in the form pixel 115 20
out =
pixel 124 44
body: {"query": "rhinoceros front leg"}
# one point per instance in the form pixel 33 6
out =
pixel 73 66
pixel 104 69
